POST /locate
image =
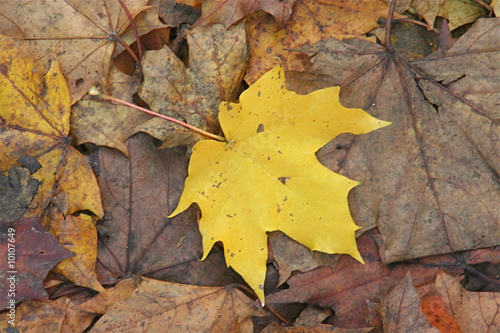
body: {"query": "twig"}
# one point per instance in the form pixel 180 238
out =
pixel 93 91
pixel 382 21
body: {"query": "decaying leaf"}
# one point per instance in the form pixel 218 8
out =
pixel 82 33
pixel 291 256
pixel 436 168
pixel 217 58
pixel 311 21
pixel 79 235
pixel 400 310
pixel 135 237
pixel 42 316
pixel 104 123
pixel 158 306
pixel 229 12
pixel 266 176
pixel 34 121
pixel 472 311
pixel 347 289
pixel 36 253
pixel 18 190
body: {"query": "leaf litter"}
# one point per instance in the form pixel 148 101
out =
pixel 470 90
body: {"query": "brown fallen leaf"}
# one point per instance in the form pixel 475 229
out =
pixel 135 237
pixel 469 69
pixel 77 320
pixel 175 13
pixel 472 311
pixel 158 306
pixel 434 167
pixel 104 123
pixel 36 253
pixel 42 316
pixel 103 301
pixel 428 9
pixel 311 21
pixel 292 256
pixel 217 59
pixel 347 289
pixel 317 328
pixel 18 190
pixel 34 121
pixel 312 315
pixel 401 310
pixel 229 12
pixel 82 33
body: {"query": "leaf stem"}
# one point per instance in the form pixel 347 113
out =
pixel 173 120
pixel 388 24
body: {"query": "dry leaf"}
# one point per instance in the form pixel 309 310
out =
pixel 18 189
pixel 158 306
pixel 34 121
pixel 104 123
pixel 400 310
pixel 266 177
pixel 228 12
pixel 82 33
pixel 38 317
pixel 347 289
pixel 437 166
pixel 311 21
pixel 472 311
pixel 135 237
pixel 193 93
pixel 79 235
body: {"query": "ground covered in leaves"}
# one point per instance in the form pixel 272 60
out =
pixel 87 185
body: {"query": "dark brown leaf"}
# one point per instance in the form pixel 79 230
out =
pixel 430 180
pixel 18 190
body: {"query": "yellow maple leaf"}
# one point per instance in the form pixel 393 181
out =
pixel 34 121
pixel 266 176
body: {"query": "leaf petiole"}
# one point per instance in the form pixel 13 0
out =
pixel 94 92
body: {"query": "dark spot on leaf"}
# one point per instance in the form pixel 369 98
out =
pixel 279 208
pixel 3 68
pixel 232 255
pixel 260 128
pixel 258 93
pixel 79 82
pixel 261 287
pixel 283 179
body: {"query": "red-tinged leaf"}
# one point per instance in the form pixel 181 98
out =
pixel 472 311
pixel 228 12
pixel 347 289
pixel 36 252
pixel 435 311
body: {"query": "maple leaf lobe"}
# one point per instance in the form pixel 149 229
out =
pixel 268 176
